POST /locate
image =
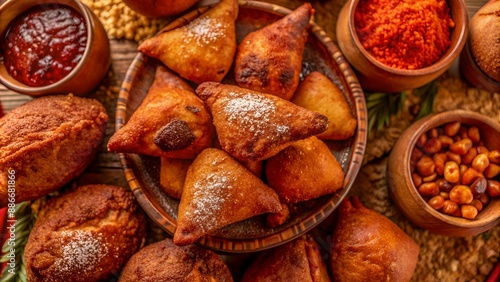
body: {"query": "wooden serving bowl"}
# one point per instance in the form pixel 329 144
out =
pixel 376 76
pixel 92 67
pixel 251 235
pixel 405 194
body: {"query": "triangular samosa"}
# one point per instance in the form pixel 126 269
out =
pixel 219 191
pixel 171 122
pixel 269 60
pixel 202 50
pixel 253 126
pixel 318 93
pixel 299 260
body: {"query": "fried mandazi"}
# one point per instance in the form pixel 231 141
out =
pixel 269 60
pixel 172 175
pixel 304 170
pixel 299 260
pixel 367 246
pixel 171 122
pixel 202 50
pixel 219 191
pixel 318 93
pixel 47 142
pixel 252 126
pixel 164 261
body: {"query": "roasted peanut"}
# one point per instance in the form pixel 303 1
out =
pixel 417 179
pixel 416 154
pixel 493 188
pixel 461 194
pixel 467 158
pixel 482 150
pixel 428 189
pixel 446 141
pixel 492 170
pixel 469 176
pixel 445 195
pixel 478 187
pixel 461 147
pixel 432 146
pixel 451 172
pixel 484 198
pixel 476 203
pixel 463 132
pixel 454 157
pixel 444 185
pixel 451 129
pixel 439 160
pixel 494 156
pixel 450 207
pixel 468 211
pixel 426 166
pixel 480 162
pixel 421 140
pixel 473 134
pixel 436 202
pixel 430 177
pixel 433 133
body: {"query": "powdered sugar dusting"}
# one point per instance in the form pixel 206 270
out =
pixel 254 113
pixel 81 253
pixel 203 31
pixel 209 196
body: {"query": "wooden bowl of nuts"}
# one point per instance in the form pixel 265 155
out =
pixel 444 172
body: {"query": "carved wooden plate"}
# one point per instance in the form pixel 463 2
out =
pixel 142 172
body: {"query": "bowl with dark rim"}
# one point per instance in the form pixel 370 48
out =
pixel 142 172
pixel 87 73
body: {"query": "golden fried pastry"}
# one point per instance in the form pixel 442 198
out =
pixel 87 234
pixel 202 50
pixel 47 142
pixel 219 191
pixel 172 175
pixel 318 93
pixel 171 122
pixel 366 246
pixel 269 60
pixel 304 170
pixel 274 220
pixel 254 166
pixel 299 260
pixel 160 8
pixel 253 126
pixel 164 261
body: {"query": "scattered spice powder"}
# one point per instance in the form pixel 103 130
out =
pixel 404 34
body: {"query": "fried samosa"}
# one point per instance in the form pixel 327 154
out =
pixel 171 122
pixel 304 170
pixel 299 260
pixel 253 126
pixel 172 175
pixel 202 50
pixel 269 60
pixel 219 191
pixel 318 93
pixel 367 246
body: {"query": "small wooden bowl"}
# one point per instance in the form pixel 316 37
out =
pixel 92 67
pixel 376 76
pixel 405 194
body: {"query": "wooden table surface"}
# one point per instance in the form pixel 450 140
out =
pixel 106 167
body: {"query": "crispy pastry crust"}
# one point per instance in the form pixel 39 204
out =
pixel 85 235
pixel 47 142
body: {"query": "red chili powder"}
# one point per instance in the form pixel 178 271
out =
pixel 404 34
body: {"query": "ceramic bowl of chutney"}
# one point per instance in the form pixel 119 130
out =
pixel 51 47
pixel 443 173
pixel 395 46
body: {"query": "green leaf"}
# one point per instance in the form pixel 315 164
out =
pixel 381 107
pixel 428 94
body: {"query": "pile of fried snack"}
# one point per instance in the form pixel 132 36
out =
pixel 228 152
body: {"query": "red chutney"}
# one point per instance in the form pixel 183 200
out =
pixel 44 44
pixel 404 34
